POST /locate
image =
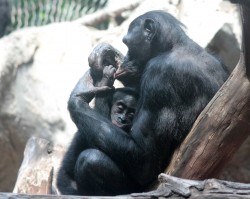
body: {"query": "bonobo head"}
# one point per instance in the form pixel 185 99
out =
pixel 103 55
pixel 123 107
pixel 149 35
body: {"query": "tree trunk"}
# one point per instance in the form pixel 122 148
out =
pixel 222 126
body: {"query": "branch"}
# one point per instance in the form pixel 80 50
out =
pixel 245 10
pixel 105 14
pixel 173 187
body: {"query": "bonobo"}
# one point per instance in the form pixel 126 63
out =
pixel 116 105
pixel 103 62
pixel 99 79
pixel 177 78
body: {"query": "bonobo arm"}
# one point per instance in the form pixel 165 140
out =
pixel 86 90
pixel 81 95
pixel 103 99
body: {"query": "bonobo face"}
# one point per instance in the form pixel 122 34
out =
pixel 138 39
pixel 122 112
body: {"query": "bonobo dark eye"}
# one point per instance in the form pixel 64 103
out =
pixel 150 28
pixel 131 115
pixel 120 107
pixel 147 28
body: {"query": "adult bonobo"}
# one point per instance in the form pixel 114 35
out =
pixel 177 80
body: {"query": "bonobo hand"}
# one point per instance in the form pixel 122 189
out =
pixel 109 72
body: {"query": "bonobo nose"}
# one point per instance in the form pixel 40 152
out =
pixel 122 119
pixel 125 39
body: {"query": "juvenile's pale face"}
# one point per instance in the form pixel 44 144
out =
pixel 122 112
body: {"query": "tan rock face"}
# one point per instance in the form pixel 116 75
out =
pixel 38 67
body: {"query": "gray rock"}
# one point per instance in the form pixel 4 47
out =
pixel 38 69
pixel 225 45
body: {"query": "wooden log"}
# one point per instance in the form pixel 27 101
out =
pixel 223 125
pixel 170 187
pixel 37 173
pixel 173 187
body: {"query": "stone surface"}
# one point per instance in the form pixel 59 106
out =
pixel 38 69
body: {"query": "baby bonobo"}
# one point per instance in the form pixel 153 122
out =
pixel 99 79
pixel 103 60
pixel 116 105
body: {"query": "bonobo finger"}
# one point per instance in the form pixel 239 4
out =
pixel 112 68
pixel 109 68
pixel 102 89
pixel 109 72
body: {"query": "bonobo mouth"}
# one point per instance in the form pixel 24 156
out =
pixel 118 124
pixel 121 126
pixel 120 73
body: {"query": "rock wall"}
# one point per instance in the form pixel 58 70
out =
pixel 38 67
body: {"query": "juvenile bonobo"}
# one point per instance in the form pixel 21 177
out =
pixel 116 105
pixel 103 62
pixel 104 59
pixel 177 78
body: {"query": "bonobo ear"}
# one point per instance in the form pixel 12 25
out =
pixel 150 27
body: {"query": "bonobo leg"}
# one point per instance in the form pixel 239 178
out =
pixel 97 174
pixel 85 88
pixel 65 180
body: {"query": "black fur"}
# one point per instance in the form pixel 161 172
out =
pixel 243 2
pixel 69 176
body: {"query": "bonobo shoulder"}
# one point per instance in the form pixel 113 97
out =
pixel 171 62
pixel 189 68
pixel 185 58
